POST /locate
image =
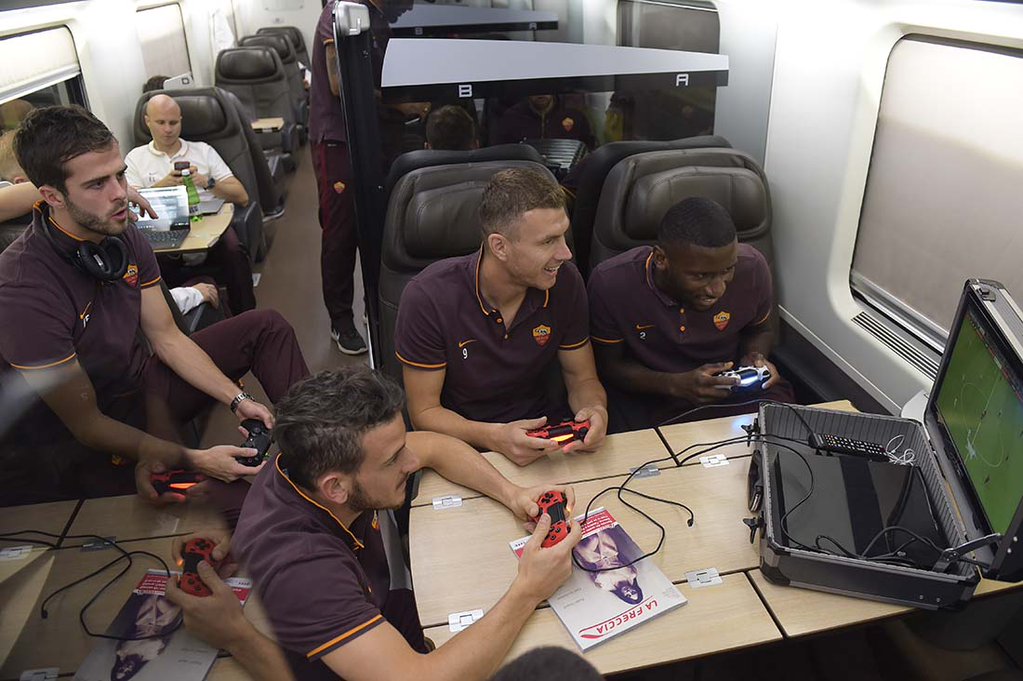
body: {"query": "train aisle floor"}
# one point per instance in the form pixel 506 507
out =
pixel 290 284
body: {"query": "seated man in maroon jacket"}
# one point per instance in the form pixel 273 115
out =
pixel 666 319
pixel 89 350
pixel 541 117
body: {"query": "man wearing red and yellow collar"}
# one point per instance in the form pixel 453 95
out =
pixel 480 335
pixel 317 536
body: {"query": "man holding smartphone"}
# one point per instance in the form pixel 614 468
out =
pixel 159 164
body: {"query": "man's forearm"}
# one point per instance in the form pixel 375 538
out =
pixel 761 341
pixel 476 653
pixel 587 393
pixel 110 436
pixel 629 375
pixel 192 364
pixel 231 190
pixel 441 420
pixel 458 462
pixel 261 658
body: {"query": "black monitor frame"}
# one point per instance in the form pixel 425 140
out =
pixel 1002 320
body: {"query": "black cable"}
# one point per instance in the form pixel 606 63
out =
pixel 729 405
pixel 125 555
pixel 623 488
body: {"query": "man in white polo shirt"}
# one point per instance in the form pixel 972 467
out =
pixel 152 165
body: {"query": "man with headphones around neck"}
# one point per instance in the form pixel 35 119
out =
pixel 78 292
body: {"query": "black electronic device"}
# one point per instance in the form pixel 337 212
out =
pixel 260 437
pixel 840 444
pixel 105 261
pixel 161 240
pixel 947 507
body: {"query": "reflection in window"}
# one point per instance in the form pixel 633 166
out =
pixel 13 111
pixel 51 77
pixel 162 35
pixel 664 114
pixel 942 201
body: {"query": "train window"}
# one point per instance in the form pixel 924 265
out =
pixel 162 34
pixel 664 115
pixel 51 77
pixel 942 200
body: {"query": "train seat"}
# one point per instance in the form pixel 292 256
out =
pixel 432 214
pixel 641 188
pixel 297 40
pixel 209 115
pixel 586 181
pixel 256 76
pixel 296 82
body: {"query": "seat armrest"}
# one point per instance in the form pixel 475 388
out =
pixel 248 225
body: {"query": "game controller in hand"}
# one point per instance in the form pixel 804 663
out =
pixel 563 433
pixel 553 504
pixel 750 378
pixel 259 439
pixel 177 481
pixel 196 550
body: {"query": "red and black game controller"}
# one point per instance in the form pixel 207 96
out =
pixel 553 504
pixel 177 481
pixel 195 550
pixel 563 433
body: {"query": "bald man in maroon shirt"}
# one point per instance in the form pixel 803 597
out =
pixel 667 319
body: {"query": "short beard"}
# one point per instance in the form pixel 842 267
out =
pixel 359 501
pixel 93 223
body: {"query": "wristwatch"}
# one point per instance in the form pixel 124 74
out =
pixel 211 183
pixel 238 399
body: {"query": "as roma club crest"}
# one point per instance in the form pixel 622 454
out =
pixel 131 275
pixel 721 320
pixel 542 335
pixel 567 124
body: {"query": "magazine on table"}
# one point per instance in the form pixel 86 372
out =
pixel 598 604
pixel 155 645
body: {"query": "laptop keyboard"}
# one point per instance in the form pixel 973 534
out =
pixel 170 239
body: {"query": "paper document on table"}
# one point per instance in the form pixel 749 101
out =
pixel 614 594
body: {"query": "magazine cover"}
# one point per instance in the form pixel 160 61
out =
pixel 596 606
pixel 163 649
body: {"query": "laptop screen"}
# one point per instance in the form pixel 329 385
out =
pixel 979 408
pixel 170 204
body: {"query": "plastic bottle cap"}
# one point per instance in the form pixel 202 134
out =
pixel 186 172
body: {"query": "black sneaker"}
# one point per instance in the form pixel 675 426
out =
pixel 348 341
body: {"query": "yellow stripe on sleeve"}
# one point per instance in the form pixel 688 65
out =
pixel 348 634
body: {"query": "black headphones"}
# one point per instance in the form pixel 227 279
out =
pixel 105 261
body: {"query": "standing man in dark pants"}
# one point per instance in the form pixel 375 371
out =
pixel 333 165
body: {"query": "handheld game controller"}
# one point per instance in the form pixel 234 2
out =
pixel 195 550
pixel 178 481
pixel 553 503
pixel 750 378
pixel 259 439
pixel 563 433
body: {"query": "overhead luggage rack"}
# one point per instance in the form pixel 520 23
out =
pixel 442 20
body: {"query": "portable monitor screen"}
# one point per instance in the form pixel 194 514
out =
pixel 979 406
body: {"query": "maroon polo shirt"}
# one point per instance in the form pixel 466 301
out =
pixel 627 307
pixel 322 584
pixel 52 313
pixel 492 374
pixel 522 122
pixel 326 118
